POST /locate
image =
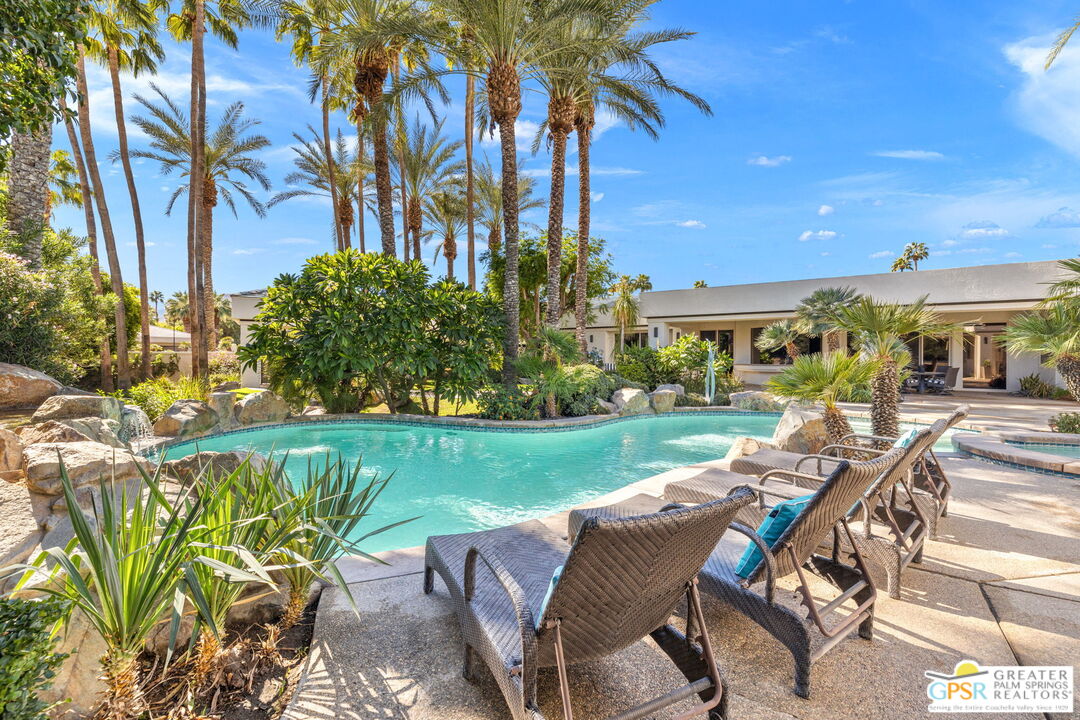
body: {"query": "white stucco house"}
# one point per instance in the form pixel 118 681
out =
pixel 982 299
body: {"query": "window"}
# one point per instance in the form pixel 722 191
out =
pixel 590 338
pixel 656 332
pixel 723 339
pixel 636 339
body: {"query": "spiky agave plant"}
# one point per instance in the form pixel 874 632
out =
pixel 233 546
pixel 324 513
pixel 123 570
pixel 826 379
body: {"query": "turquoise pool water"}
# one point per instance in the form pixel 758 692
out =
pixel 1070 451
pixel 458 479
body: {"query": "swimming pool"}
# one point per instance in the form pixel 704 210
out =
pixel 1069 451
pixel 459 479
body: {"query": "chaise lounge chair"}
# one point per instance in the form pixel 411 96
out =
pixel 621 581
pixel 795 551
pixel 893 501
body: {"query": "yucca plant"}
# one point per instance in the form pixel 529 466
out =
pixel 123 570
pixel 826 379
pixel 324 513
pixel 232 546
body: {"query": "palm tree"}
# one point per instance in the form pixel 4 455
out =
pixel 916 252
pixel 817 311
pixel 781 334
pixel 826 379
pixel 91 239
pixel 428 165
pixel 177 310
pixel 549 351
pixel 1054 332
pixel 489 201
pixel 311 175
pixel 123 370
pixel 445 211
pixel 28 180
pixel 228 156
pixel 1060 42
pixel 64 188
pixel 624 311
pixel 879 329
pixel 700 284
pixel 900 264
pixel 123 35
pixel 157 297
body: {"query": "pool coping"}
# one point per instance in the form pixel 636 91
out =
pixel 1007 448
pixel 160 444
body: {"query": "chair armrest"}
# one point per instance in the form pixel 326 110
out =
pixel 852 448
pixel 866 436
pixel 789 475
pixel 522 611
pixel 766 556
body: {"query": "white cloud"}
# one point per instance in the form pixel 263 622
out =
pixel 695 224
pixel 597 196
pixel 524 132
pixel 247 251
pixel 881 254
pixel 295 241
pixel 966 251
pixel 826 210
pixel 765 161
pixel 1046 102
pixel 595 170
pixel 1013 255
pixel 1049 246
pixel 909 154
pixel 818 235
pixel 825 253
pixel 1063 218
pixel 982 229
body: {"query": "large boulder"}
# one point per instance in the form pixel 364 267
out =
pixel 630 401
pixel 190 467
pixel 186 418
pixel 68 407
pixel 50 431
pixel 743 446
pixel 223 404
pixel 662 400
pixel 801 430
pixel 674 387
pixel 79 680
pixel 85 462
pixel 102 430
pixel 11 450
pixel 134 423
pixel 19 529
pixel 261 407
pixel 606 408
pixel 22 388
pixel 757 400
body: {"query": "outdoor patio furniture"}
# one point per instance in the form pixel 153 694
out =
pixel 796 551
pixel 893 501
pixel 621 580
pixel 930 476
pixel 942 382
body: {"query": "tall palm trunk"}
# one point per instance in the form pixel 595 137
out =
pixel 495 238
pixel 206 235
pixel 832 340
pixel 28 192
pixel 360 181
pixel 330 162
pixel 384 189
pixel 91 240
pixel 583 124
pixel 561 112
pixel 116 279
pixel 470 180
pixel 504 93
pixel 450 252
pixel 836 424
pixel 884 398
pixel 136 214
pixel 198 146
pixel 1069 367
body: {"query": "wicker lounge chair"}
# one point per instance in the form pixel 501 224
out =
pixel 929 475
pixel 892 501
pixel 796 551
pixel 621 581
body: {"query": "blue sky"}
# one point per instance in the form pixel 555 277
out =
pixel 842 131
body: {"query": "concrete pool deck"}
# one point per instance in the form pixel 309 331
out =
pixel 1000 585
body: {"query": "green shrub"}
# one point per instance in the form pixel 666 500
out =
pixel 686 361
pixel 1035 387
pixel 225 364
pixel 642 365
pixel 157 395
pixel 28 661
pixel 725 385
pixel 1066 422
pixel 499 403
